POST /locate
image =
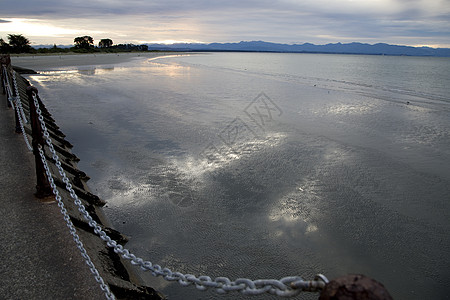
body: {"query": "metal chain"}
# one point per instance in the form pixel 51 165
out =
pixel 109 295
pixel 18 101
pixel 285 287
pixel 20 113
pixel 25 137
pixel 8 87
pixel 18 107
pixel 72 229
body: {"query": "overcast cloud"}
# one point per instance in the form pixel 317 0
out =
pixel 406 22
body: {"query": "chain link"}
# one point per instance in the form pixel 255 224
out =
pixel 109 295
pixel 285 287
pixel 7 86
pixel 72 229
pixel 18 108
pixel 20 113
pixel 18 101
pixel 21 121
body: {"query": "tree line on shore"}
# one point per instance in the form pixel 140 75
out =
pixel 17 43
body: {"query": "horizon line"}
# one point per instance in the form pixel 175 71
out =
pixel 172 42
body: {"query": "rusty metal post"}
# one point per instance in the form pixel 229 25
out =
pixel 5 60
pixel 2 76
pixel 354 287
pixel 43 188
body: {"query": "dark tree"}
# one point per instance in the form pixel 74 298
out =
pixel 4 46
pixel 83 42
pixel 18 43
pixel 105 43
pixel 143 48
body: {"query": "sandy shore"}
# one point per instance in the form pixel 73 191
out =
pixel 52 62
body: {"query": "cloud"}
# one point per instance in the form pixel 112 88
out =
pixel 62 9
pixel 318 21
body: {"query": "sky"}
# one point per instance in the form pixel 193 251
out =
pixel 401 22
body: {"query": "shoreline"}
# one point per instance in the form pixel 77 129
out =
pixel 361 140
pixel 65 60
pixel 118 273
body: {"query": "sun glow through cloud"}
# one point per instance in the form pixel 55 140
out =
pixel 33 27
pixel 279 21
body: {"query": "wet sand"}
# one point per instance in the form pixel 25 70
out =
pixel 347 179
pixel 57 62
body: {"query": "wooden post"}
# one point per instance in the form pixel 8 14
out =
pixel 2 77
pixel 43 188
pixel 354 287
pixel 5 60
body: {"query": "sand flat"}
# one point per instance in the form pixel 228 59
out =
pixel 52 62
pixel 344 175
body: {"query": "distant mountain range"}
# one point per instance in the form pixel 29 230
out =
pixel 337 48
pixel 260 46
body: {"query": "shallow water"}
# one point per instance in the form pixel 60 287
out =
pixel 269 165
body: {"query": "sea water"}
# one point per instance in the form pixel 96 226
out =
pixel 265 165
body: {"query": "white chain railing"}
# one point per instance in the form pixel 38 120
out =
pixel 7 85
pixel 109 295
pixel 22 118
pixel 285 287
pixel 73 231
pixel 18 105
pixel 18 101
pixel 20 113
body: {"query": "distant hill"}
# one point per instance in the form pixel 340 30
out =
pixel 337 48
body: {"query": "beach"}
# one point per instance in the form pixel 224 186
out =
pixel 51 62
pixel 266 165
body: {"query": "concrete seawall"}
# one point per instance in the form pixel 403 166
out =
pixel 40 260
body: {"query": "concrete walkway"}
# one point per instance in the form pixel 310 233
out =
pixel 39 259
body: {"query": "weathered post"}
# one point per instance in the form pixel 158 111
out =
pixel 354 287
pixel 5 61
pixel 43 188
pixel 2 76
